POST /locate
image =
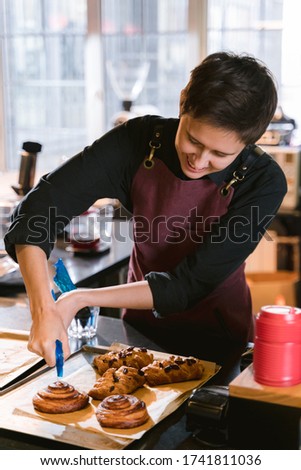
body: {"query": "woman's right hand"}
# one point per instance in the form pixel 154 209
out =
pixel 47 320
pixel 46 328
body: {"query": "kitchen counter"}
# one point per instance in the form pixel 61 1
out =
pixel 171 433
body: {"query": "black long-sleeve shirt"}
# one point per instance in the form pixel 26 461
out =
pixel 106 170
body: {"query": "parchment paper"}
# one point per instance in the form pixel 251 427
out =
pixel 15 359
pixel 160 402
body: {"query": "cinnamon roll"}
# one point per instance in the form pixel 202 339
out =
pixel 122 412
pixel 59 397
pixel 131 357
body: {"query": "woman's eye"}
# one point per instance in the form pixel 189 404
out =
pixel 221 155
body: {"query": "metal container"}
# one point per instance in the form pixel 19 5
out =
pixel 29 154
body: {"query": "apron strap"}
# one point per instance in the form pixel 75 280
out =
pixel 154 144
pixel 238 175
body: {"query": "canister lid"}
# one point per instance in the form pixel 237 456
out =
pixel 280 310
pixel 279 323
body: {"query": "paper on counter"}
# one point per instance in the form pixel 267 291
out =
pixel 15 359
pixel 160 401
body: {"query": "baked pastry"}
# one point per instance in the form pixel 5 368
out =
pixel 132 357
pixel 122 411
pixel 174 369
pixel 59 397
pixel 117 381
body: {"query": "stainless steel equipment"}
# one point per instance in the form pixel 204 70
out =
pixel 27 167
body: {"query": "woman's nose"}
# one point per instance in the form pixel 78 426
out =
pixel 202 158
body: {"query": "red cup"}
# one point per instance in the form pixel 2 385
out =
pixel 277 346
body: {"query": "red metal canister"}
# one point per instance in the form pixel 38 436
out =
pixel 277 346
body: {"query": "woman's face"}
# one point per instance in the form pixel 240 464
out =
pixel 203 149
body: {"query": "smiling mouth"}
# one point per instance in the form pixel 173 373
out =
pixel 193 168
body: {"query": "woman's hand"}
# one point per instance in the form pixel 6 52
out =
pixel 51 322
pixel 48 322
pixel 46 328
pixel 68 304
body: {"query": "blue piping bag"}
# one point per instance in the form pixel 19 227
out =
pixel 62 278
pixel 59 358
pixel 65 284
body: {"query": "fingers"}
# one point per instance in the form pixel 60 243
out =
pixel 47 327
pixel 46 348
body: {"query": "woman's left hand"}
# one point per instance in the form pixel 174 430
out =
pixel 68 305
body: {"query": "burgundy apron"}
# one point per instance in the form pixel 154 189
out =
pixel 170 217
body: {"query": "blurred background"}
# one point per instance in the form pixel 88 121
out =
pixel 70 70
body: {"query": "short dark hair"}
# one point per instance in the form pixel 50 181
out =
pixel 234 92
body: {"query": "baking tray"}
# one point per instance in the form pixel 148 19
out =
pixel 16 361
pixel 81 427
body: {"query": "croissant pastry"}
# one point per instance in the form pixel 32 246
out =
pixel 59 397
pixel 122 411
pixel 131 357
pixel 174 369
pixel 117 381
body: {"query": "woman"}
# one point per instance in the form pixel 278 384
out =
pixel 202 195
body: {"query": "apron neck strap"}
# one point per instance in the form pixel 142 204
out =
pixel 253 153
pixel 154 145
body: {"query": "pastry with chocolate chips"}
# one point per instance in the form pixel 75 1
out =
pixel 174 369
pixel 124 380
pixel 130 357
